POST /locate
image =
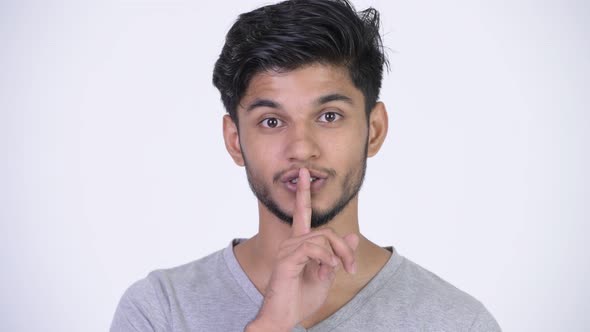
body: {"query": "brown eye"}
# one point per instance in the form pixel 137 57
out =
pixel 270 122
pixel 330 117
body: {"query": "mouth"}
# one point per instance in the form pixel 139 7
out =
pixel 317 179
pixel 295 180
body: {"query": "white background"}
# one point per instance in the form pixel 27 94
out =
pixel 112 162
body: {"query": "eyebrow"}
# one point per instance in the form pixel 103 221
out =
pixel 262 103
pixel 320 101
pixel 334 97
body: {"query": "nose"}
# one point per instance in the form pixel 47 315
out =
pixel 302 144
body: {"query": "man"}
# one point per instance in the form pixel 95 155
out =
pixel 300 82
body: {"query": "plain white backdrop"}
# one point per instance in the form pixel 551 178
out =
pixel 112 162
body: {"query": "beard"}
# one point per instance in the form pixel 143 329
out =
pixel 351 185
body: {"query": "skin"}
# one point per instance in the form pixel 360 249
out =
pixel 305 274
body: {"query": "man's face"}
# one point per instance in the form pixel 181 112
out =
pixel 311 117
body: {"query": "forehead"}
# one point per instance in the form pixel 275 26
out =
pixel 302 85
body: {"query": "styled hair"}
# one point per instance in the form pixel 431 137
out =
pixel 290 34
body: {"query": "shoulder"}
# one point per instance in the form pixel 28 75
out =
pixel 147 303
pixel 194 275
pixel 425 286
pixel 139 309
pixel 448 306
pixel 435 302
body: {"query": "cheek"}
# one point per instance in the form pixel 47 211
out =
pixel 259 155
pixel 346 148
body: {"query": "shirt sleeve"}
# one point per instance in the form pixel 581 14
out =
pixel 139 310
pixel 485 322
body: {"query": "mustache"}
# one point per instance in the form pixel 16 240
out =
pixel 279 175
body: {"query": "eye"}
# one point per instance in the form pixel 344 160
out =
pixel 271 123
pixel 329 117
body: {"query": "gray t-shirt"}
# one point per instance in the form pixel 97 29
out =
pixel 214 294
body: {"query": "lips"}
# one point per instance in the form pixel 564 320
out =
pixel 290 179
pixel 293 176
pixel 295 180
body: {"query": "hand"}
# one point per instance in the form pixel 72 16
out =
pixel 304 269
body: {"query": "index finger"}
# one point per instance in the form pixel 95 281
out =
pixel 302 214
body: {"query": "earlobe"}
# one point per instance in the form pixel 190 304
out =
pixel 378 125
pixel 231 137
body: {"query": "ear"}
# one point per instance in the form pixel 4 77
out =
pixel 231 137
pixel 378 124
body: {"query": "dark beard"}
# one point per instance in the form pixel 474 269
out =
pixel 353 182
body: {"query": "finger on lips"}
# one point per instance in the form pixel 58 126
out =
pixel 327 238
pixel 302 213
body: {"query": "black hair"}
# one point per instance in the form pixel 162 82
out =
pixel 294 33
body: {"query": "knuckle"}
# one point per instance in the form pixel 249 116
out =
pixel 305 246
pixel 320 239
